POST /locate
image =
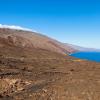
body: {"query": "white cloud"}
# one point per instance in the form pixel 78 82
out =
pixel 15 27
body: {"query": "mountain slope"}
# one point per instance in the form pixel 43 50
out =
pixel 31 68
pixel 25 39
pixel 84 49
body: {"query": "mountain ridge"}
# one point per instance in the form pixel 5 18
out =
pixel 83 49
pixel 32 39
pixel 34 67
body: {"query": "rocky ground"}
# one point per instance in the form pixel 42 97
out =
pixel 55 77
pixel 31 72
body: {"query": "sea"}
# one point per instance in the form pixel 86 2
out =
pixel 91 56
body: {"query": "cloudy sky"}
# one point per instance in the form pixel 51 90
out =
pixel 71 21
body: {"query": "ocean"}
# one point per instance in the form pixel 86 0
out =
pixel 92 56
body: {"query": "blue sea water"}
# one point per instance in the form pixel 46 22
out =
pixel 92 56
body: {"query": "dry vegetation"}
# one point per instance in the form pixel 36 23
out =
pixel 34 73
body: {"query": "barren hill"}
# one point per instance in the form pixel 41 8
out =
pixel 26 39
pixel 35 67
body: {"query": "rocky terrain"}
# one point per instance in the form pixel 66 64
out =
pixel 26 39
pixel 36 67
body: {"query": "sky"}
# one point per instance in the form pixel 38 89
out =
pixel 69 21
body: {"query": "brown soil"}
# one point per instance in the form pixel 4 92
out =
pixel 40 74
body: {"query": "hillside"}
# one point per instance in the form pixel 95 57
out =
pixel 26 39
pixel 82 49
pixel 36 67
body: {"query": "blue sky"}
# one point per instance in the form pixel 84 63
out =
pixel 70 21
